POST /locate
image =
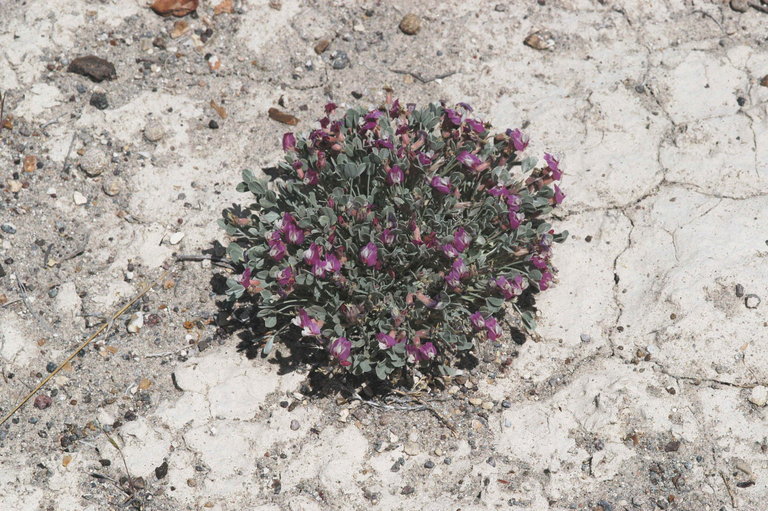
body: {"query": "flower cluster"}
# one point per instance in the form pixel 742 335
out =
pixel 396 238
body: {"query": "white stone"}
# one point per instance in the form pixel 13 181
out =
pixel 175 238
pixel 79 198
pixel 759 395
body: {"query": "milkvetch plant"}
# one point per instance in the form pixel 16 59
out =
pixel 396 238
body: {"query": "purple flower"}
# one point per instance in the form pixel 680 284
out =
pixel 394 110
pixel 371 119
pixel 461 239
pixel 289 142
pixel 322 160
pixel 294 234
pixel 329 108
pixel 341 349
pixel 245 278
pixel 475 125
pixel 441 184
pixel 310 327
pixel 318 270
pixel 277 249
pixel 546 278
pixel 461 267
pixel 332 263
pixel 539 262
pixel 515 218
pixel 554 166
pixel 395 175
pixel 478 321
pixel 387 236
pixel 510 288
pixel 312 254
pixel 311 177
pixel 492 328
pixel 519 139
pixel 449 250
pixel 369 255
pixel 385 341
pixel 422 352
pixel 285 276
pixel 384 143
pixel 424 159
pixel 469 160
pixel 465 106
pixel 453 278
pixel 453 116
pixel 559 195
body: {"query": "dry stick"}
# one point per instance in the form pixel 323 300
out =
pixel 82 346
pixel 421 78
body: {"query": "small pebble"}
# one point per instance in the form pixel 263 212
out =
pixel 294 425
pixel 94 161
pixel 213 124
pixel 759 395
pixel 739 290
pixel 751 301
pixel 154 131
pixel 99 100
pixel 50 367
pixel 585 338
pixel 79 198
pixel 500 8
pixel 447 461
pixel 42 402
pixel 411 448
pixel 175 238
pixel 410 24
pixel 739 5
pixel 8 228
pixel 53 292
pixel 429 464
pixel 408 490
pixel 741 100
pixel 80 88
pixel 111 186
pixel 339 60
pixel 474 401
pixel 506 404
pixel 135 323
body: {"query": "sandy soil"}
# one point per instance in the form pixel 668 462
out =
pixel 645 390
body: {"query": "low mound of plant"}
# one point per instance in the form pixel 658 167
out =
pixel 396 239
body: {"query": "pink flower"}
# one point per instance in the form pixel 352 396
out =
pixel 453 116
pixel 294 234
pixel 313 254
pixel 289 142
pixel 441 184
pixel 245 278
pixel 277 249
pixel 453 279
pixel 332 264
pixel 510 288
pixel 539 262
pixel 426 351
pixel 424 159
pixel 469 160
pixel 285 277
pixel 519 139
pixel 559 195
pixel 493 329
pixel 554 166
pixel 311 177
pixel 461 239
pixel 515 218
pixel 329 108
pixel 341 349
pixel 461 267
pixel 546 278
pixel 310 327
pixel 369 255
pixel 395 175
pixel 387 236
pixel 394 110
pixel 385 341
pixel 322 160
pixel 478 321
pixel 449 250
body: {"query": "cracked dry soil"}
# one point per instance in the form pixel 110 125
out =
pixel 644 389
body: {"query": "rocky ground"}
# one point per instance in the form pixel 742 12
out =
pixel 646 388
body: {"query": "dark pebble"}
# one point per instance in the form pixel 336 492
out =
pixel 395 467
pixel 500 8
pixel 294 425
pixel 357 95
pixel 53 292
pixel 93 67
pixel 130 415
pixel 506 404
pixel 408 490
pixel 105 462
pixel 741 100
pixel 50 367
pixel 340 60
pixel 605 505
pixel 283 404
pixel 42 402
pixel 80 88
pixel 447 461
pixel 99 100
pixel 672 446
pixel 739 290
pixel 213 124
pixel 162 470
pixel 491 461
pixel 429 464
pixel 42 433
pixel 8 228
